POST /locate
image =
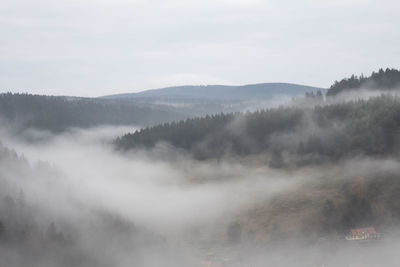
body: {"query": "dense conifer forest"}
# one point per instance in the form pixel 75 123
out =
pixel 57 113
pixel 388 79
pixel 321 132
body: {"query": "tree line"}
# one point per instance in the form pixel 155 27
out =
pixel 319 133
pixel 388 79
pixel 57 113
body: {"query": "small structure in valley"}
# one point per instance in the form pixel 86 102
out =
pixel 363 234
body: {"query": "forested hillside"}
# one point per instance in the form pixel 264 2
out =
pixel 382 80
pixel 59 113
pixel 31 234
pixel 327 132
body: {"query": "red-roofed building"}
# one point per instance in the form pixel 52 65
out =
pixel 368 233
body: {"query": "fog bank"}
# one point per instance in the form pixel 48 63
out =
pixel 171 210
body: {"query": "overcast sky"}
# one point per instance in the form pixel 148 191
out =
pixel 98 47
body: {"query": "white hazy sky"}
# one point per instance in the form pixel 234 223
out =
pixel 98 47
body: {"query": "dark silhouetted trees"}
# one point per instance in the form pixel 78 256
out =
pixel 370 127
pixel 57 113
pixel 382 80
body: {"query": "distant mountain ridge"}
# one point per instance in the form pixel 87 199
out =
pixel 261 91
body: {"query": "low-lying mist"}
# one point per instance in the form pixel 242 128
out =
pixel 72 200
pixel 170 188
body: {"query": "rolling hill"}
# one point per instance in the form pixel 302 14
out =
pixel 262 91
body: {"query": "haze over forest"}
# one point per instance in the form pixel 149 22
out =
pixel 224 133
pixel 84 184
